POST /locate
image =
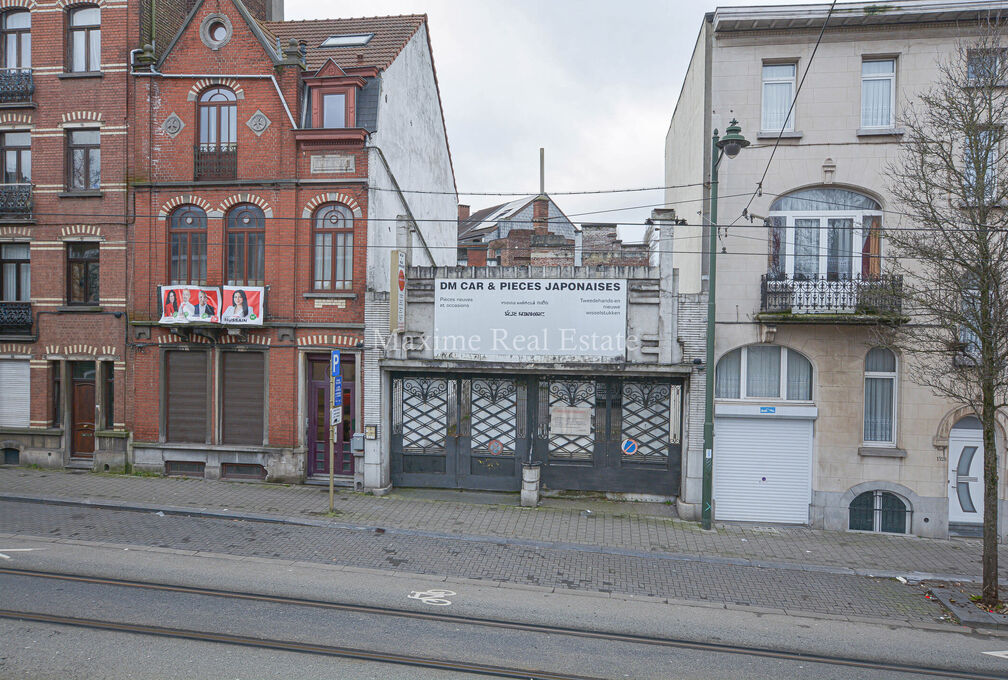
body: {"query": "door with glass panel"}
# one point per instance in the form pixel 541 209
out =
pixel 966 469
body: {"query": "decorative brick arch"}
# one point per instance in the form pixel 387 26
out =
pixel 332 197
pixel 204 83
pixel 64 4
pixel 941 438
pixel 906 493
pixel 78 231
pixel 13 121
pixel 80 118
pixel 14 232
pixel 184 200
pixel 12 4
pixel 236 199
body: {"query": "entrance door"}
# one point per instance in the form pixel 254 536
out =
pixel 966 453
pixel 83 409
pixel 319 440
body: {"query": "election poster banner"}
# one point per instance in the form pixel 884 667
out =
pixel 243 305
pixel 182 304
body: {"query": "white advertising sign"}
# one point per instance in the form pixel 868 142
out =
pixel 581 320
pixel 570 420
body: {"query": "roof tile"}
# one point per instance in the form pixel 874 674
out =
pixel 391 33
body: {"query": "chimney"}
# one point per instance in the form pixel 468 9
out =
pixel 463 212
pixel 540 215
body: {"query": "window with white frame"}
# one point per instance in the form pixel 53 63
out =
pixel 825 232
pixel 880 397
pixel 778 91
pixel 764 372
pixel 980 159
pixel 878 93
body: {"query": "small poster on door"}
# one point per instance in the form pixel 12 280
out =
pixel 243 305
pixel 571 420
pixel 189 304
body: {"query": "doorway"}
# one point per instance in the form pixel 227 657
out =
pixel 318 438
pixel 966 454
pixel 82 391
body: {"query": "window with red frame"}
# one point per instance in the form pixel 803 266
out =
pixel 334 107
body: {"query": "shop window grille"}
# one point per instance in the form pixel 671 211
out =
pixel 572 394
pixel 646 419
pixel 424 414
pixel 494 402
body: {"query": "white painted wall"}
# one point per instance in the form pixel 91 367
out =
pixel 412 136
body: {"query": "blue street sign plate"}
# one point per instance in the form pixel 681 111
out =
pixel 337 398
pixel 334 364
pixel 768 409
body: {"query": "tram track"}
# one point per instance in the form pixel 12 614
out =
pixel 439 617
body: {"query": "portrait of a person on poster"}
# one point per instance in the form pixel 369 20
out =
pixel 244 305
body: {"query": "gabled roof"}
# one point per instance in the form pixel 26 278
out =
pixel 391 33
pixel 484 221
pixel 264 38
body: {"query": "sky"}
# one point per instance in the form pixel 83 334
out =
pixel 592 82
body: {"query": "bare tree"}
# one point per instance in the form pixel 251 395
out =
pixel 951 247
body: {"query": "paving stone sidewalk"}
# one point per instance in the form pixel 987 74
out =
pixel 642 527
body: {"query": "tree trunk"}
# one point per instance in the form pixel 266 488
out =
pixel 990 526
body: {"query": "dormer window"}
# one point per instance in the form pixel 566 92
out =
pixel 333 106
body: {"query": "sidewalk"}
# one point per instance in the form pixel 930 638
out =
pixel 618 528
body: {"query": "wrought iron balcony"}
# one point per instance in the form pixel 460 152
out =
pixel 847 300
pixel 216 161
pixel 16 86
pixel 15 200
pixel 15 318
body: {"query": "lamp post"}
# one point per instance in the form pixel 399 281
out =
pixel 729 145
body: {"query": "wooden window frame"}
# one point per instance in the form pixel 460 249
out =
pixel 177 229
pixel 331 284
pixel 92 298
pixel 108 394
pixel 350 96
pixel 20 156
pixel 233 227
pixel 19 262
pixel 87 30
pixel 18 34
pixel 71 146
pixel 202 104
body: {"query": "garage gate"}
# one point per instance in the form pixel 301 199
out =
pixel 474 432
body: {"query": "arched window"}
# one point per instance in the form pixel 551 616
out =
pixel 17 40
pixel 764 372
pixel 825 233
pixel 246 246
pixel 218 118
pixel 84 44
pixel 187 254
pixel 879 511
pixel 332 233
pixel 880 397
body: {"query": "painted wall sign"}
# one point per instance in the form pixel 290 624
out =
pixel 189 304
pixel 581 320
pixel 768 409
pixel 333 162
pixel 571 420
pixel 243 305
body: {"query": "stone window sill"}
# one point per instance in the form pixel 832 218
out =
pixel 881 452
pixel 881 132
pixel 772 134
pixel 18 105
pixel 330 296
pixel 80 194
pixel 80 308
pixel 81 74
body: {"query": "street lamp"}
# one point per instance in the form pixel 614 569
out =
pixel 729 145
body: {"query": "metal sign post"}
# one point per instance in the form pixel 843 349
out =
pixel 335 418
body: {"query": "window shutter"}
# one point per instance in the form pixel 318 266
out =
pixel 244 388
pixel 15 395
pixel 187 396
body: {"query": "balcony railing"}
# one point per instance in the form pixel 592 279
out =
pixel 879 296
pixel 15 318
pixel 15 200
pixel 216 161
pixel 16 86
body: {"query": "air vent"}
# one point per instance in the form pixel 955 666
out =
pixel 349 40
pixel 184 468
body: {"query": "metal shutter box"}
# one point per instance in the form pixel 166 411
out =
pixel 186 420
pixel 762 469
pixel 244 396
pixel 15 394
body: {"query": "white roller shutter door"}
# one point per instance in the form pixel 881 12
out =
pixel 762 469
pixel 15 397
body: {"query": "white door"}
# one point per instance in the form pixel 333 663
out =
pixel 762 469
pixel 14 392
pixel 966 455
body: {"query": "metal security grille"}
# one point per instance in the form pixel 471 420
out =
pixel 424 414
pixel 574 394
pixel 646 409
pixel 494 403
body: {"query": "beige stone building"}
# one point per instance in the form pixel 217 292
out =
pixel 812 423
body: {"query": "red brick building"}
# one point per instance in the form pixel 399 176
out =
pixel 63 217
pixel 269 194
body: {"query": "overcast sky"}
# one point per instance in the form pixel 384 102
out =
pixel 593 82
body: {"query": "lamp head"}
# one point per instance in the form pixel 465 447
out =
pixel 733 141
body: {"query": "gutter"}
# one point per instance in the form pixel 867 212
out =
pixel 402 198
